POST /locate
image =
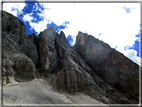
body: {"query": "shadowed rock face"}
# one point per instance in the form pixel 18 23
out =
pixel 47 51
pixel 73 74
pixel 19 53
pixel 92 50
pixel 115 69
pixel 121 73
pixel 91 66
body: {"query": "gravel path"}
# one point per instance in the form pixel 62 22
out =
pixel 39 91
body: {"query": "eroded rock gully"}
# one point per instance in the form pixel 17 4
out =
pixel 91 66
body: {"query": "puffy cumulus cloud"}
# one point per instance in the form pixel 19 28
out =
pixel 14 8
pixel 28 17
pixel 132 54
pixel 40 26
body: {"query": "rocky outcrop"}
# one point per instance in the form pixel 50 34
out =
pixel 91 66
pixel 92 50
pixel 116 70
pixel 71 71
pixel 73 74
pixel 47 52
pixel 19 54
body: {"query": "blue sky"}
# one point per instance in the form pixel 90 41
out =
pixel 117 24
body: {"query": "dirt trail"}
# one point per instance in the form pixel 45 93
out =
pixel 39 91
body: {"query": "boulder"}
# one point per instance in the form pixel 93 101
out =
pixel 24 68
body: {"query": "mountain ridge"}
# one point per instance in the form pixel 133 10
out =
pixel 91 66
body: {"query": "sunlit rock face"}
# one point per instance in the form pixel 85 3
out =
pixel 91 66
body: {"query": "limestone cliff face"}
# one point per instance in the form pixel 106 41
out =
pixel 92 50
pixel 121 73
pixel 19 53
pixel 116 70
pixel 91 66
pixel 47 51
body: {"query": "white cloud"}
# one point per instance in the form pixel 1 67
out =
pixel 17 6
pixel 113 22
pixel 40 26
pixel 118 28
pixel 132 54
pixel 27 17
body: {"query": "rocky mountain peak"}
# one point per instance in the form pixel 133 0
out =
pixel 90 49
pixel 80 37
pixel 91 66
pixel 49 33
pixel 62 35
pixel 83 38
